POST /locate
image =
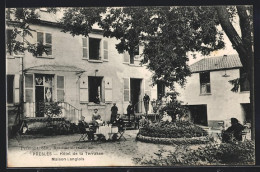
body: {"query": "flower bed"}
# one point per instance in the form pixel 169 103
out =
pixel 173 133
pixel 177 141
pixel 179 129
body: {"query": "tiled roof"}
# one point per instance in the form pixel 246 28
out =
pixel 216 63
pixel 55 68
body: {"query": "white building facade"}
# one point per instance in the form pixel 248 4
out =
pixel 76 70
pixel 208 92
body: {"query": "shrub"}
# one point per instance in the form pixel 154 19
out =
pixel 179 129
pixel 241 153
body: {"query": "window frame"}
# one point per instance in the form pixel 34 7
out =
pixel 205 83
pixel 101 48
pixel 12 55
pixel 44 55
pixel 102 90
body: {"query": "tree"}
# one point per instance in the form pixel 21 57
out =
pixel 166 33
pixel 169 33
pixel 19 20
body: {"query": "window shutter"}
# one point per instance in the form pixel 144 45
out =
pixel 154 92
pixel 60 88
pixel 126 57
pixel 108 89
pixel 28 79
pixel 83 91
pixel 8 41
pixel 85 47
pixel 40 37
pixel 147 87
pixel 16 88
pixel 48 43
pixel 105 48
pixel 126 89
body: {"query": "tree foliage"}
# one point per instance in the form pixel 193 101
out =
pixel 166 33
pixel 20 20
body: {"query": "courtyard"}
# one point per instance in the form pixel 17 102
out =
pixel 66 150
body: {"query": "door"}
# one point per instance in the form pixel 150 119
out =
pixel 43 92
pixel 135 91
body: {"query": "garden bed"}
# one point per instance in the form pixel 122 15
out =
pixel 177 141
pixel 179 132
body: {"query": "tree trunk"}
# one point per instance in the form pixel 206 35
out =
pixel 243 47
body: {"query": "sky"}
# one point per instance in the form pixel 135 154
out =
pixel 227 50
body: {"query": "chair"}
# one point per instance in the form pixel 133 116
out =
pixel 246 131
pixel 82 131
pixel 121 132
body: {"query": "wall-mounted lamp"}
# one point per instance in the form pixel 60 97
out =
pixel 225 75
pixel 96 72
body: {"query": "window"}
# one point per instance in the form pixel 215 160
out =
pixel 9 36
pixel 94 49
pixel 160 90
pixel 244 83
pixel 10 88
pixel 60 88
pixel 14 41
pixel 46 40
pixel 205 83
pixel 96 93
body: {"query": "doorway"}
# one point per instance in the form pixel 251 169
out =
pixel 135 93
pixel 95 89
pixel 199 114
pixel 43 92
pixel 246 112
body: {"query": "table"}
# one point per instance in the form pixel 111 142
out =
pixel 107 131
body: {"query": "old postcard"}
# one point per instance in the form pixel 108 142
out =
pixel 130 86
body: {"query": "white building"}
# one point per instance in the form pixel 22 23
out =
pixel 208 93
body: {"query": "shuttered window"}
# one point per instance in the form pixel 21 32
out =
pixel 105 48
pixel 85 47
pixel 126 57
pixel 28 79
pixel 46 40
pixel 126 89
pixel 60 88
pixel 147 85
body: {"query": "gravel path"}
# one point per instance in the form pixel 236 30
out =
pixel 67 151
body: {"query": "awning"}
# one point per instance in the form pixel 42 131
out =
pixel 54 68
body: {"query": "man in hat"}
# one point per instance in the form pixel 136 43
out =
pixel 234 130
pixel 146 100
pixel 114 111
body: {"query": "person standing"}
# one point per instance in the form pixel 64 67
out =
pixel 130 111
pixel 146 100
pixel 114 111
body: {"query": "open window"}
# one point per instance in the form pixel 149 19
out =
pixel 95 48
pixel 205 83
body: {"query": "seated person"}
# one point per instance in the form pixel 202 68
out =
pixel 96 118
pixel 85 128
pixel 119 123
pixel 234 131
pixel 166 117
pixel 143 122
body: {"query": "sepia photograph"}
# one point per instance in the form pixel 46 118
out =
pixel 168 86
